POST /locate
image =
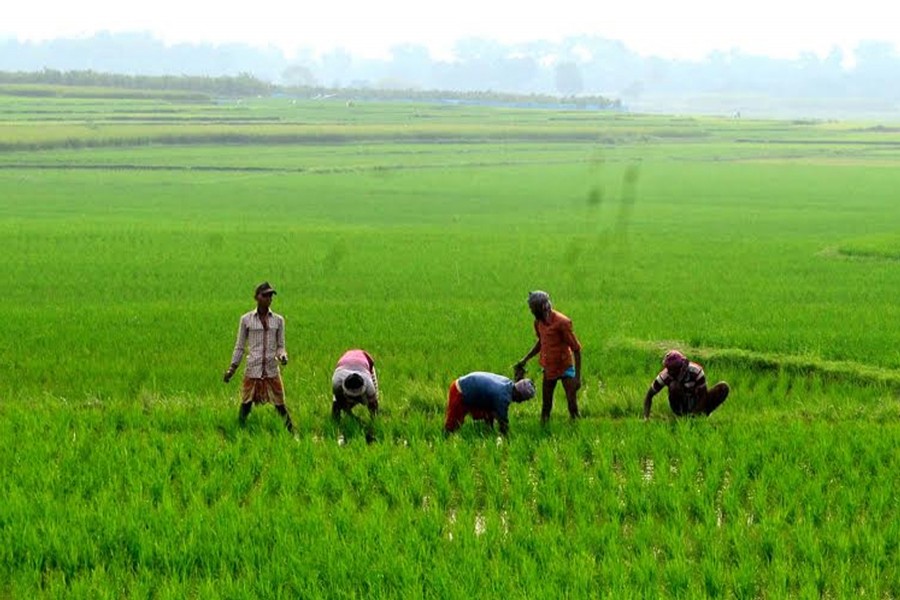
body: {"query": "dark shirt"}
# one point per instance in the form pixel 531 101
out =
pixel 487 391
pixel 691 379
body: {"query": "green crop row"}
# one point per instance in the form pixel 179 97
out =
pixel 175 499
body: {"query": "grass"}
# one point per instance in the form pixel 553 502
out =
pixel 883 246
pixel 606 507
pixel 127 267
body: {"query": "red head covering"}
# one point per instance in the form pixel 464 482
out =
pixel 674 360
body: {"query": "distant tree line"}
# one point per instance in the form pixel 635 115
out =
pixel 243 84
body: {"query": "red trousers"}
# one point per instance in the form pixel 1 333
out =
pixel 457 410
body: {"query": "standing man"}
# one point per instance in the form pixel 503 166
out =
pixel 686 381
pixel 354 382
pixel 486 397
pixel 263 331
pixel 560 353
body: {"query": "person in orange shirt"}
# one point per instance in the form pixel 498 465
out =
pixel 560 353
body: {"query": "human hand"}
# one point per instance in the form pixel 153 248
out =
pixel 518 371
pixel 283 359
pixel 229 373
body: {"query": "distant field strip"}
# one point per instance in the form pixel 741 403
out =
pixel 860 254
pixel 843 370
pixel 80 136
pixel 257 169
pixel 894 143
pixel 860 160
pixel 885 247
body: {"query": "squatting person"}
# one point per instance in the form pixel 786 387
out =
pixel 560 353
pixel 354 381
pixel 486 397
pixel 688 394
pixel 262 331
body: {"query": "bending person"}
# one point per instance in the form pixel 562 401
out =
pixel 486 397
pixel 686 381
pixel 354 382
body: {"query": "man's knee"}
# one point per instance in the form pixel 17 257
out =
pixel 715 397
pixel 569 386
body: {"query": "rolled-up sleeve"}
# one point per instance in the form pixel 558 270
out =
pixel 661 381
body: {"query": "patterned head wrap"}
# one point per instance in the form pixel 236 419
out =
pixel 674 360
pixel 525 389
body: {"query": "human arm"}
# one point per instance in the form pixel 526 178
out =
pixel 700 388
pixel 337 387
pixel 699 392
pixel 500 411
pixel 648 402
pixel 280 352
pixel 575 346
pixel 535 350
pixel 372 394
pixel 658 384
pixel 504 426
pixel 577 355
pixel 338 401
pixel 238 353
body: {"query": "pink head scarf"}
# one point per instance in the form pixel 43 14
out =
pixel 674 360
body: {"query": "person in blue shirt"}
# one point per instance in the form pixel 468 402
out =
pixel 486 397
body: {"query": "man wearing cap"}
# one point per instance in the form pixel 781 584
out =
pixel 688 394
pixel 354 382
pixel 560 353
pixel 263 332
pixel 486 397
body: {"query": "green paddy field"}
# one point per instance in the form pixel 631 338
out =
pixel 134 232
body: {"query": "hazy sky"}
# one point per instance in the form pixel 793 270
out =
pixel 669 28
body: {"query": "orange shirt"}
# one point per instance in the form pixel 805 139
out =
pixel 557 343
